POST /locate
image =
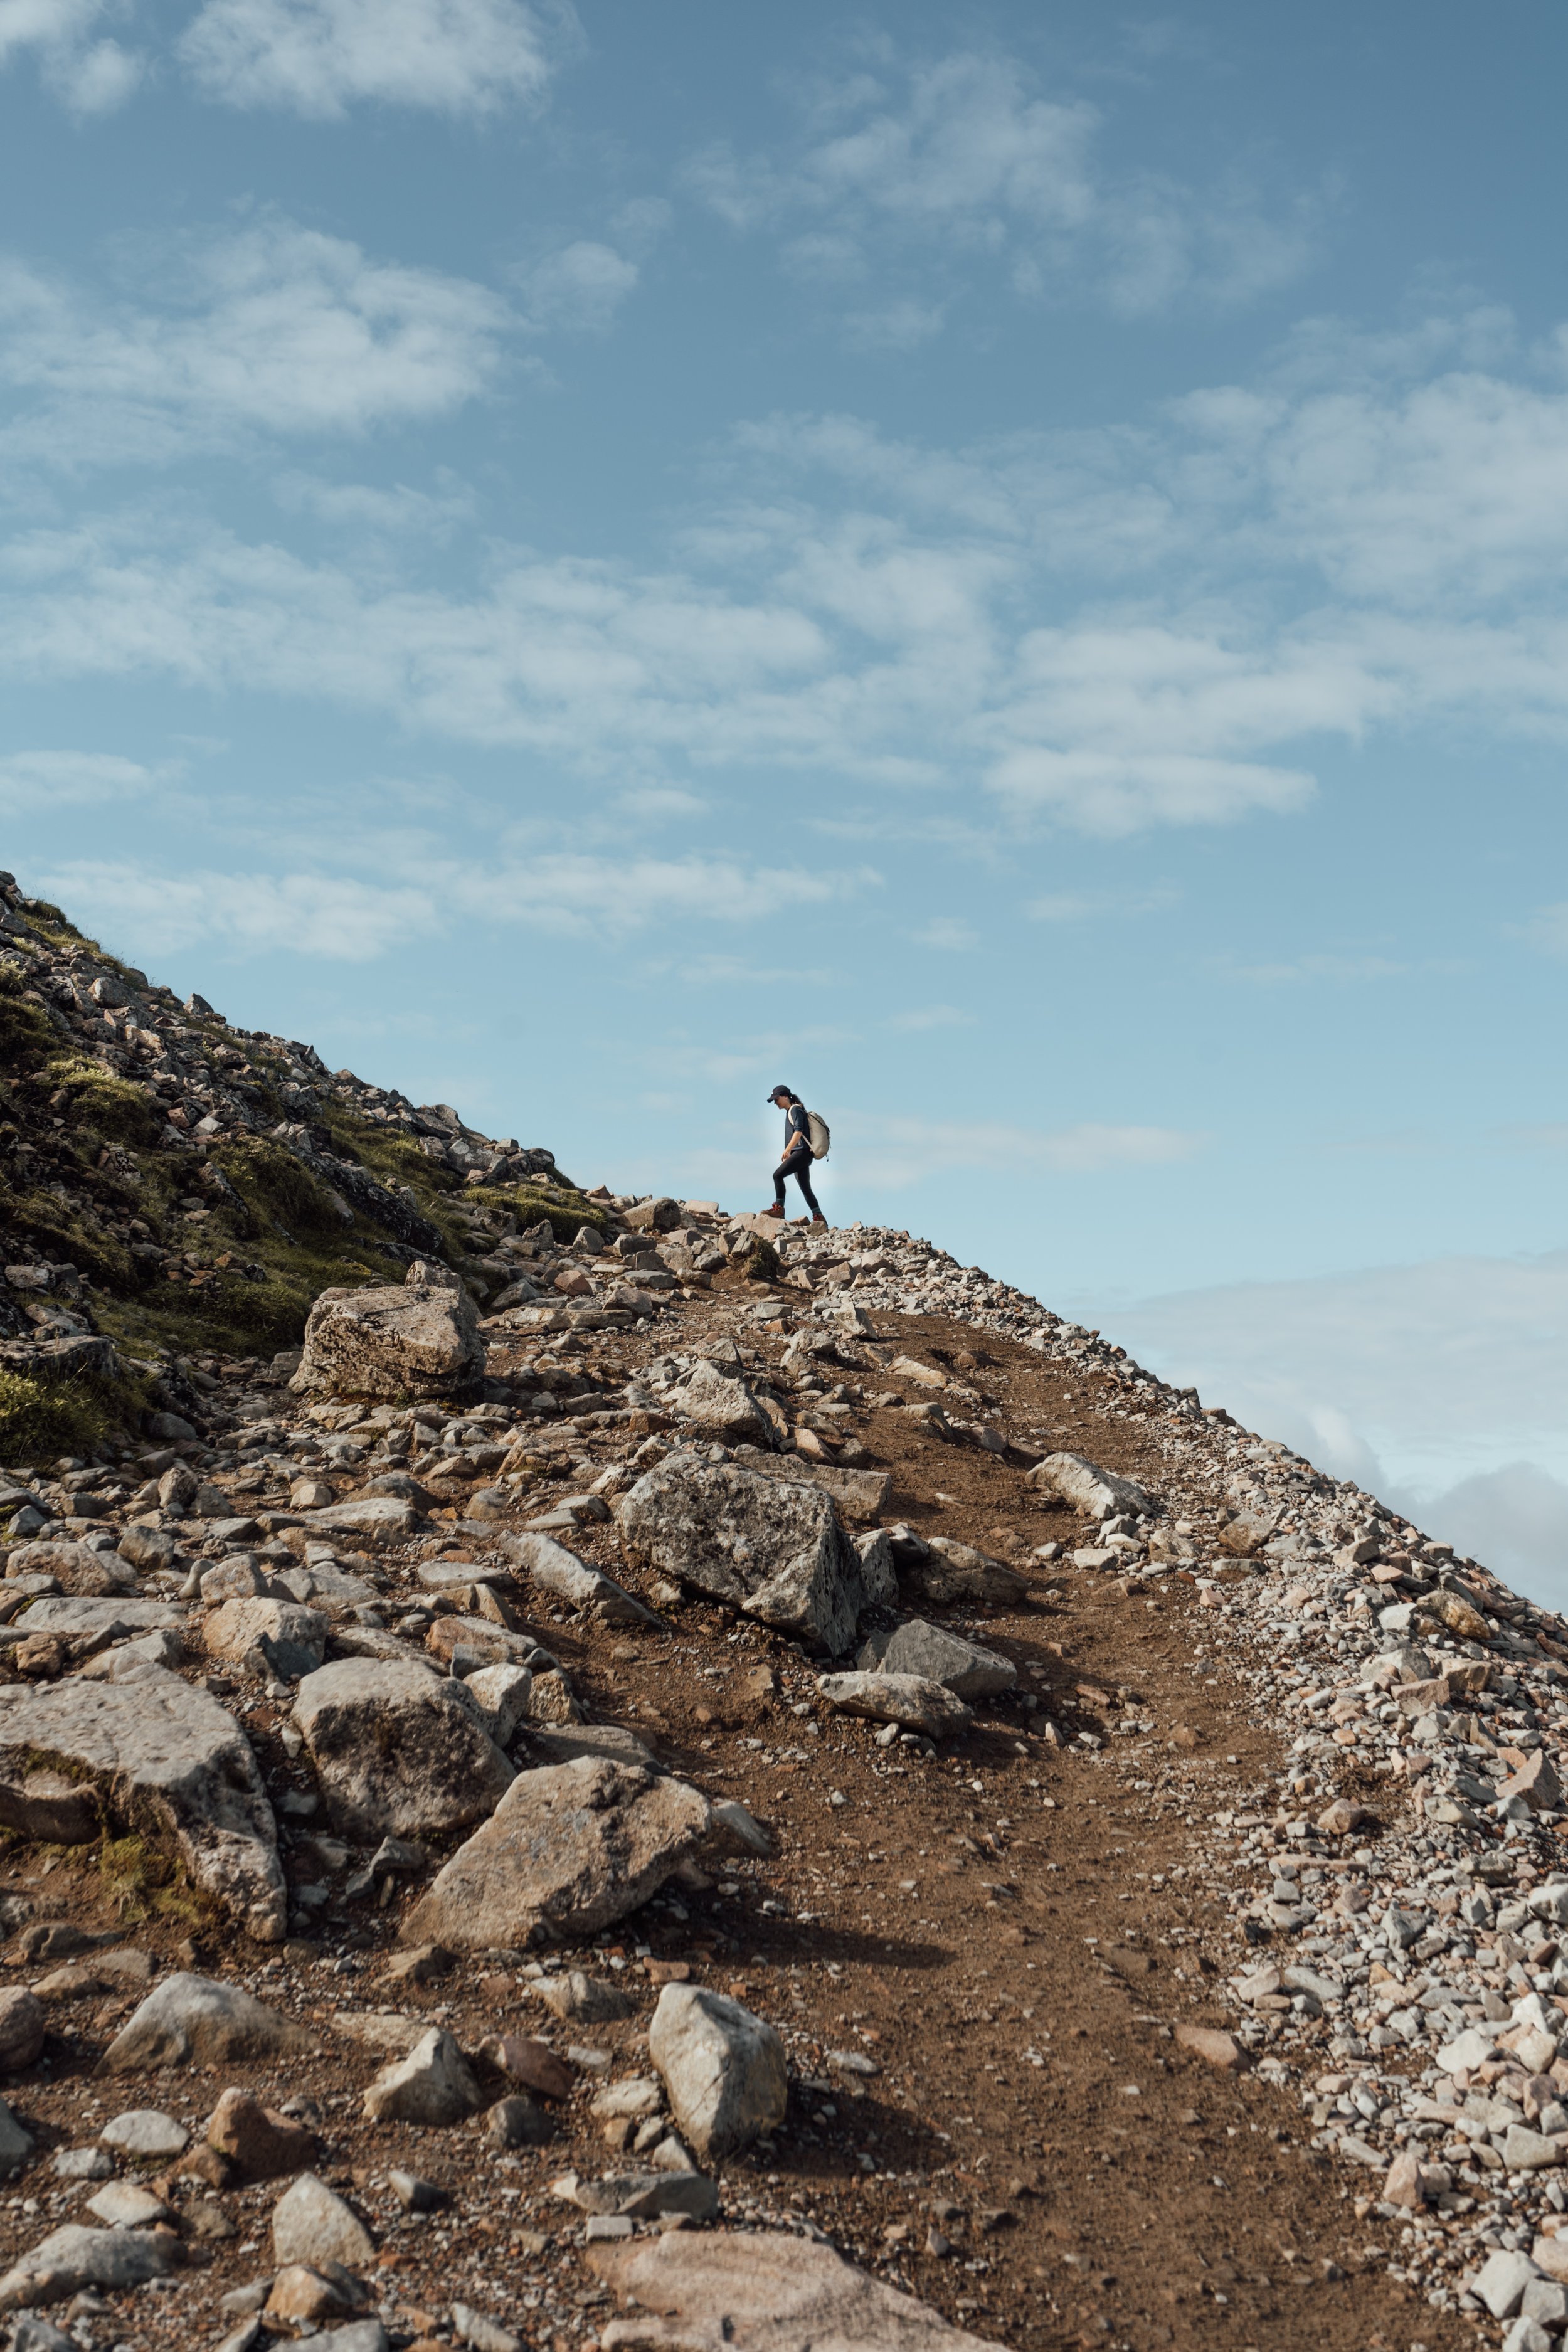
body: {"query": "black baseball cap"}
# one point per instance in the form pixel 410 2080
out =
pixel 780 1090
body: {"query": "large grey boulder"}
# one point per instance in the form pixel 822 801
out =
pixel 768 1546
pixel 198 2022
pixel 398 1750
pixel 418 1340
pixel 156 1755
pixel 268 1638
pixel 908 1700
pixel 73 2258
pixel 917 1648
pixel 569 1849
pixel 723 2069
pixel 761 2291
pixel 551 1568
pixel 1088 1487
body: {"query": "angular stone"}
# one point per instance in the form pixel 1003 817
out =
pixel 195 2020
pixel 1214 2047
pixel 73 2258
pixel 1524 2150
pixel 15 2145
pixel 310 2224
pixel 1088 1487
pixel 771 1547
pixel 907 1699
pixel 518 2121
pixel 569 1849
pixel 860 1495
pixel 257 2143
pixel 124 2205
pixel 762 2291
pixel 433 2086
pixel 716 1407
pixel 159 1754
pixel 578 1999
pixel 551 1569
pixel 76 1567
pixel 145 2132
pixel 1537 1782
pixel 1501 2280
pixel 415 1340
pixel 398 1750
pixel 531 2063
pixel 501 1694
pixel 365 1515
pixel 277 1639
pixel 86 1626
pixel 722 2066
pixel 956 1572
pixel 916 1648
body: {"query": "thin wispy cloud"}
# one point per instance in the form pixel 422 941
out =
pixel 320 57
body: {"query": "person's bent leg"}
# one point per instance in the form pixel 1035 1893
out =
pixel 799 1166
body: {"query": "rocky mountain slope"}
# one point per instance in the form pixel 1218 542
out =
pixel 647 1779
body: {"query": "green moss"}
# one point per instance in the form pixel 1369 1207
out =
pixel 146 1880
pixel 41 1419
pixel 110 1107
pixel 28 1036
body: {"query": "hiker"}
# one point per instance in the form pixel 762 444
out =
pixel 797 1154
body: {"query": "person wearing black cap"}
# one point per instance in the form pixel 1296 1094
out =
pixel 796 1160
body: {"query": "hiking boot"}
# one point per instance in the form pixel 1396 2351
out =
pixel 820 1221
pixel 775 1209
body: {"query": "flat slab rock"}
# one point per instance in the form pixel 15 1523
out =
pixel 967 1668
pixel 155 1749
pixel 85 1626
pixel 912 1701
pixel 76 2257
pixel 570 1849
pixel 761 2291
pixel 551 1569
pixel 770 1546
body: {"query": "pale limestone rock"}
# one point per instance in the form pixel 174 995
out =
pixel 398 1750
pixel 722 2066
pixel 418 1340
pixel 155 1751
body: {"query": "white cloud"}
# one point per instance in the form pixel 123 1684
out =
pixel 366 507
pixel 46 780
pixel 579 288
pixel 355 919
pixel 947 932
pixel 1442 1387
pixel 89 75
pixel 256 914
pixel 275 328
pixel 959 167
pixel 319 57
pixel 920 1019
pixel 892 1151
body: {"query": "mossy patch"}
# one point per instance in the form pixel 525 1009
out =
pixel 146 1879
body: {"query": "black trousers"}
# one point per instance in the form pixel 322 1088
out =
pixel 797 1164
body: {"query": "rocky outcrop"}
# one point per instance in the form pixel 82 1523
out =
pixel 774 1550
pixel 418 1340
pixel 158 1756
pixel 569 1849
pixel 398 1749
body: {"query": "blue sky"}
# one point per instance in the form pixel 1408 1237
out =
pixel 1006 568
